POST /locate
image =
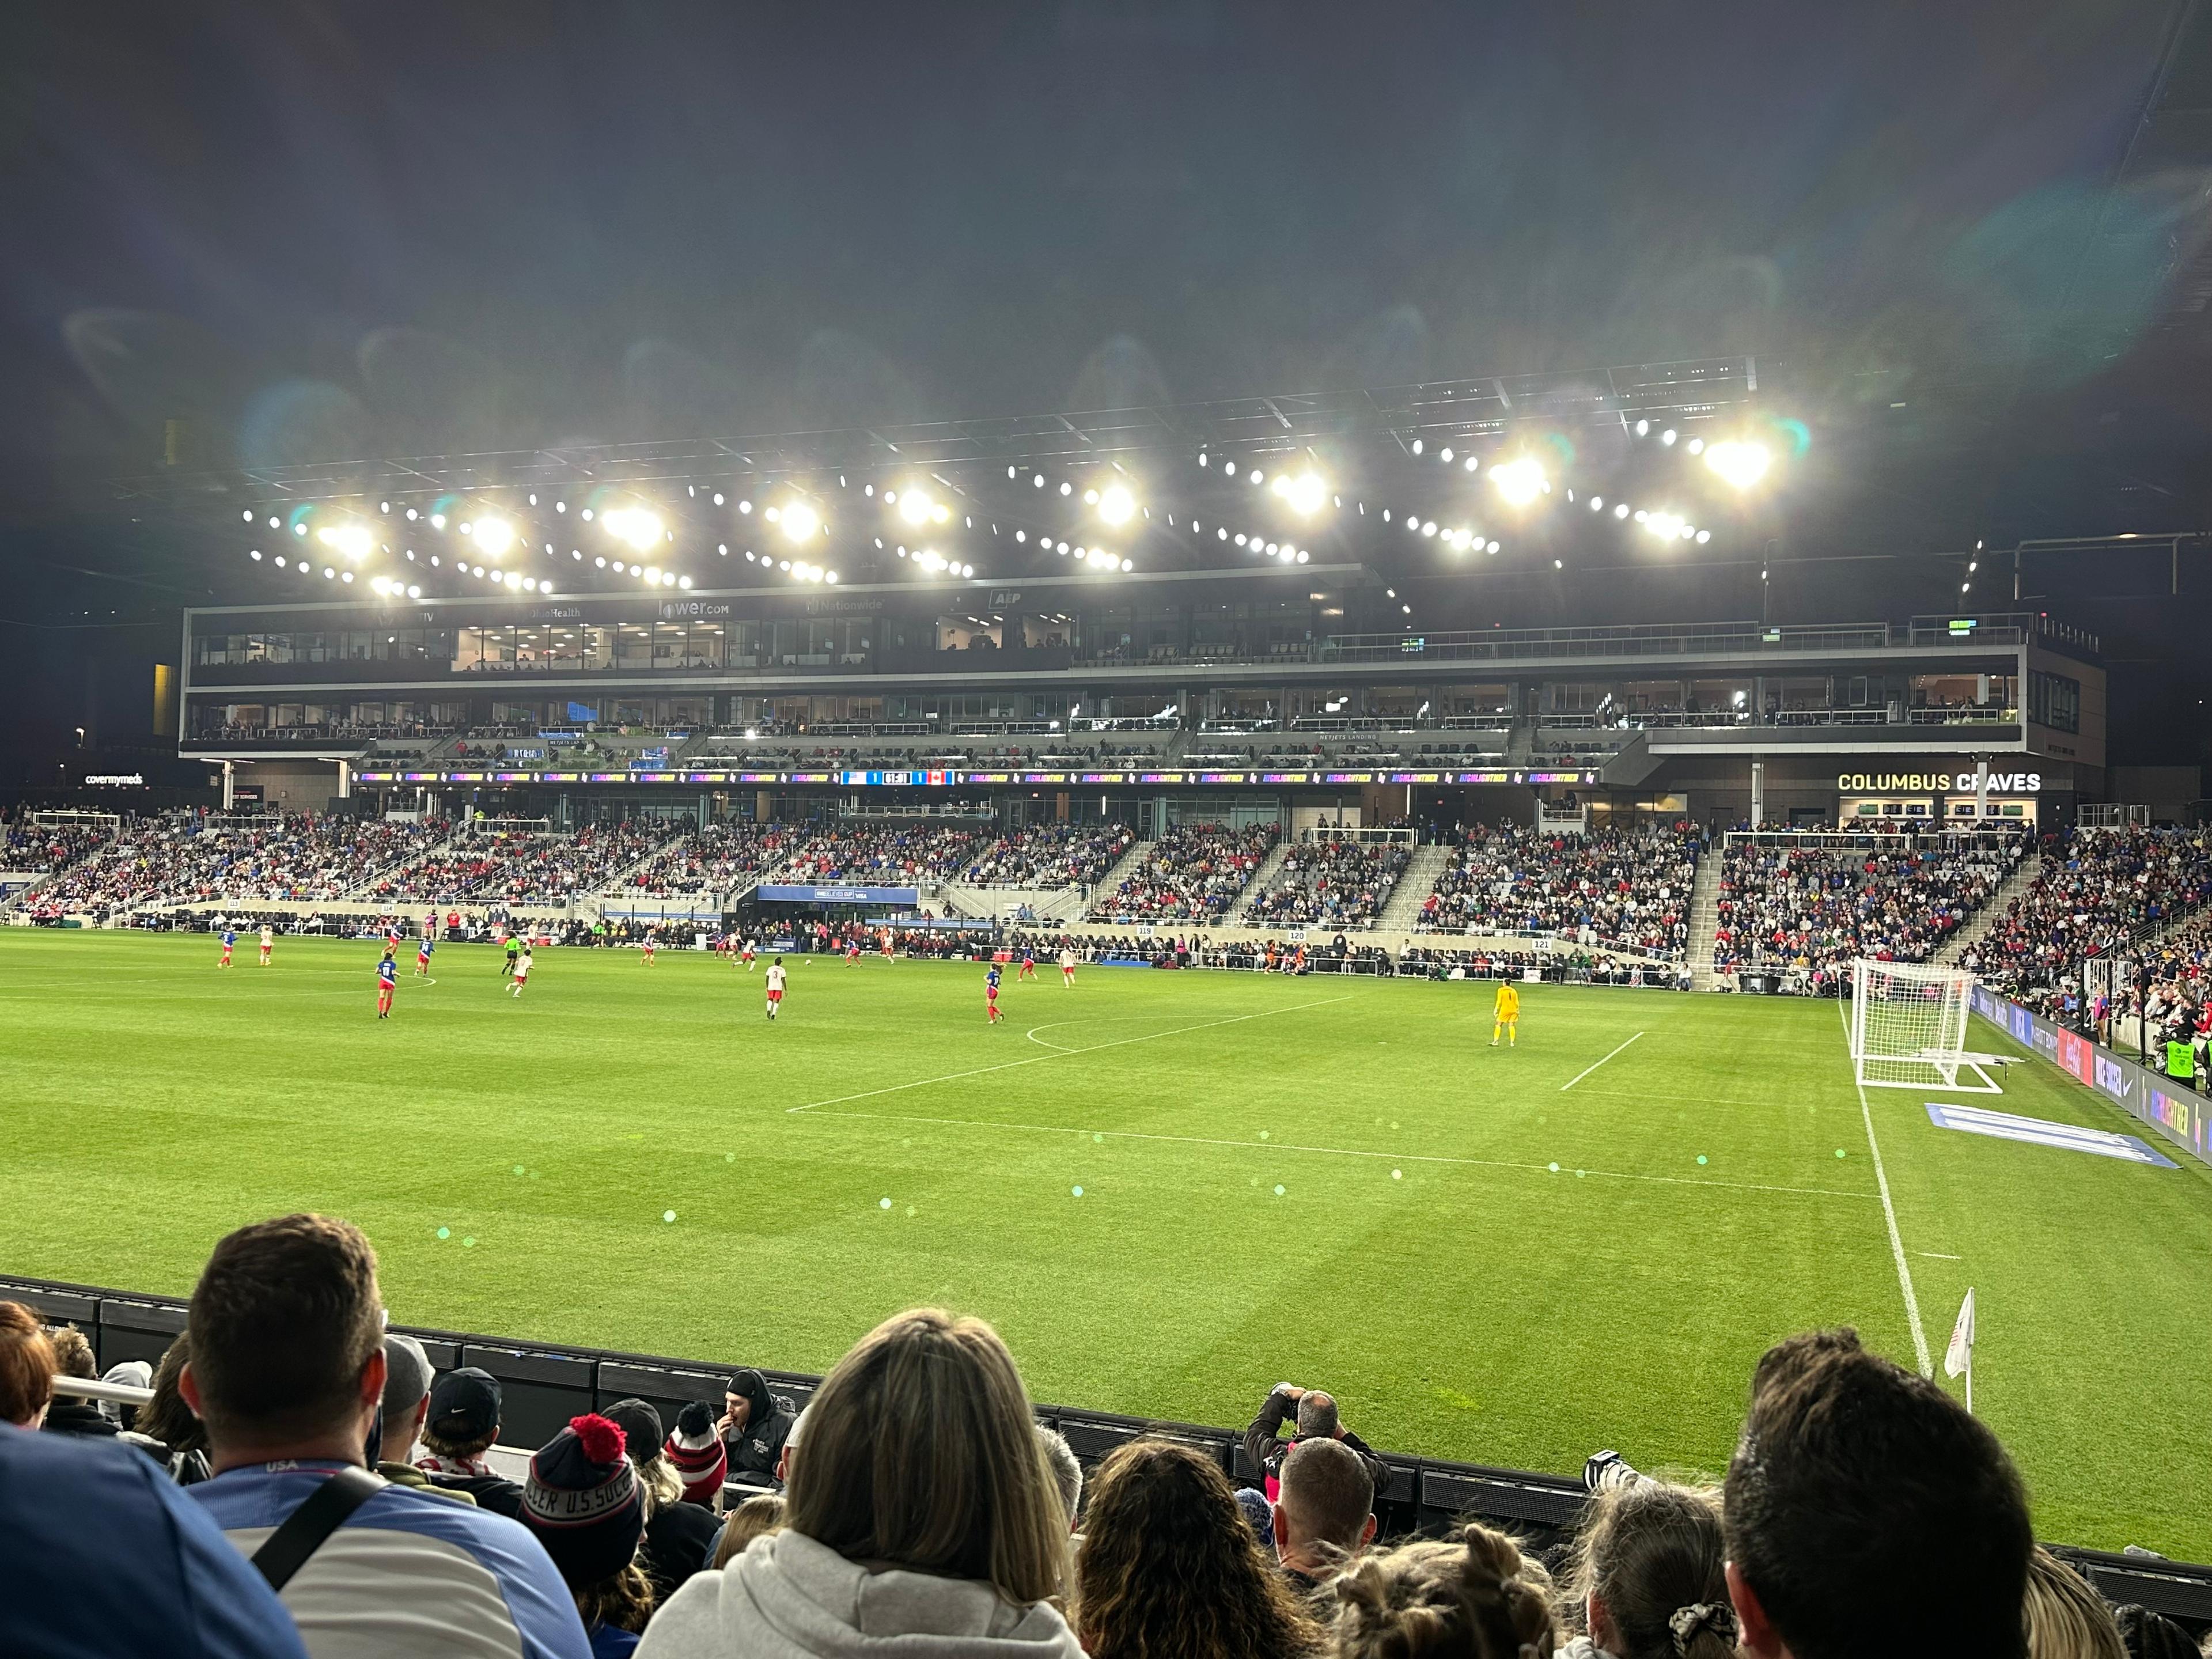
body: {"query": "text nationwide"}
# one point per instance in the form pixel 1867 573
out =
pixel 1907 783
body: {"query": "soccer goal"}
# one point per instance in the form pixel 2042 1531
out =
pixel 1909 1028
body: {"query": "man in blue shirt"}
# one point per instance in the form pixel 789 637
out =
pixel 114 1558
pixel 287 1372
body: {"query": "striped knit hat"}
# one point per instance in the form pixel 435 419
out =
pixel 695 1448
pixel 581 1500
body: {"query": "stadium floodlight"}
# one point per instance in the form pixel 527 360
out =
pixel 1519 480
pixel 799 520
pixel 494 536
pixel 351 539
pixel 1740 463
pixel 1116 505
pixel 1909 1028
pixel 638 526
pixel 914 507
pixel 1307 492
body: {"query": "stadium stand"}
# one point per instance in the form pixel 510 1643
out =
pixel 1050 855
pixel 1610 887
pixel 1817 907
pixel 518 866
pixel 39 849
pixel 893 855
pixel 184 859
pixel 2097 890
pixel 1192 873
pixel 1937 1512
pixel 1336 884
pixel 724 855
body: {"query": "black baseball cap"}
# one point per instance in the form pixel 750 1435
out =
pixel 464 1404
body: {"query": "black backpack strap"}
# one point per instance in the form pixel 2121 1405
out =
pixel 285 1550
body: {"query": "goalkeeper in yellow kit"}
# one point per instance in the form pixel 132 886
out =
pixel 1506 1016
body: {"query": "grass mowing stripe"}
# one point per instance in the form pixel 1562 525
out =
pixel 1092 1048
pixel 1587 1070
pixel 1328 1152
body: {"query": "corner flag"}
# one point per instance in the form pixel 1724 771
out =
pixel 1959 1357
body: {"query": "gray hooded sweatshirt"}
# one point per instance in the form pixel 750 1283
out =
pixel 789 1597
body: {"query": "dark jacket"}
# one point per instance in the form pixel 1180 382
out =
pixel 69 1415
pixel 494 1493
pixel 753 1451
pixel 1267 1451
pixel 679 1541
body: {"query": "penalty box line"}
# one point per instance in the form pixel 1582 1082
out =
pixel 1327 1151
pixel 1056 1054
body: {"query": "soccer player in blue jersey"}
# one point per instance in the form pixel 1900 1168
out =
pixel 991 996
pixel 387 982
pixel 422 950
pixel 229 943
pixel 1029 962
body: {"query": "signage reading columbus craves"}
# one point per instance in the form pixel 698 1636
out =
pixel 1907 783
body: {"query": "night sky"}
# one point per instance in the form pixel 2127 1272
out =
pixel 311 230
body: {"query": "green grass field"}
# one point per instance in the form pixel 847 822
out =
pixel 1338 1181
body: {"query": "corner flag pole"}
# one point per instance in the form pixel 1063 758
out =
pixel 1959 1357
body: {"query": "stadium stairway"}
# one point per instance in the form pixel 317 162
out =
pixel 421 855
pixel 1262 878
pixel 1977 925
pixel 1705 919
pixel 1414 885
pixel 613 887
pixel 1131 862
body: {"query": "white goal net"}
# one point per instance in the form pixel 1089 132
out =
pixel 1909 1028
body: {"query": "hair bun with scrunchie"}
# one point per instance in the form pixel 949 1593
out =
pixel 1688 1623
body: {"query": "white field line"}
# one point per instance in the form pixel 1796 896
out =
pixel 1889 1213
pixel 1090 1048
pixel 1587 1070
pixel 1326 1152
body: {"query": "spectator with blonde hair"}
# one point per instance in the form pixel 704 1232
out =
pixel 923 1507
pixel 1470 1596
pixel 757 1516
pixel 2066 1617
pixel 27 1367
pixel 1648 1576
pixel 1168 1570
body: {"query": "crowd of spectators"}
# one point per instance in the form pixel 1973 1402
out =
pixel 1050 855
pixel 303 1481
pixel 519 866
pixel 1608 888
pixel 886 855
pixel 1817 907
pixel 1336 884
pixel 32 849
pixel 188 857
pixel 727 854
pixel 1192 873
pixel 2095 891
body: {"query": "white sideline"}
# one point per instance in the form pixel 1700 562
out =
pixel 1056 1054
pixel 1587 1070
pixel 1889 1214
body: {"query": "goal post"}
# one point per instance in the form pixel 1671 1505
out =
pixel 1908 1026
